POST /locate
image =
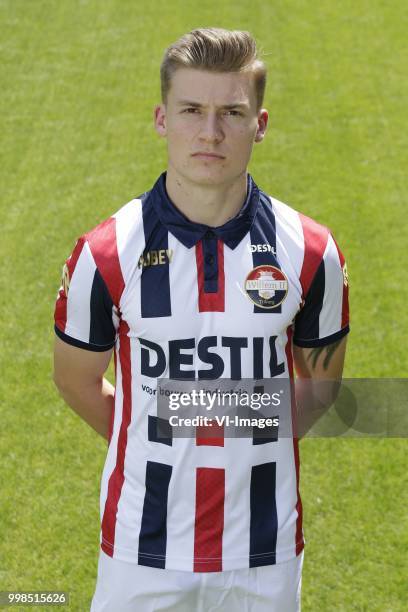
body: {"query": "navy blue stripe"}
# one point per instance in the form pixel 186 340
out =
pixel 80 344
pixel 155 280
pixel 210 262
pixel 153 532
pixel 322 341
pixel 275 368
pixel 159 430
pixel 307 319
pixel 263 232
pixel 258 344
pixel 264 516
pixel 265 434
pixel 102 331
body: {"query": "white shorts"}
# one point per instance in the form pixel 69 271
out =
pixel 128 587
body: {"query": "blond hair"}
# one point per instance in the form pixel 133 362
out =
pixel 217 50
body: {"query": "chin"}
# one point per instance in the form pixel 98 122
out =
pixel 208 177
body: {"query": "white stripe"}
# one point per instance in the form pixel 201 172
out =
pixel 181 507
pixel 235 544
pixel 79 297
pixel 130 506
pixel 286 500
pixel 237 265
pixel 129 237
pixel 290 246
pixel 330 315
pixel 130 242
pixel 182 273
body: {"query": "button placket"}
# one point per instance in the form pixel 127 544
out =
pixel 210 262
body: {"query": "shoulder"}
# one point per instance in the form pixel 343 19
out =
pixel 298 226
pixel 113 243
pixel 297 229
pixel 306 241
pixel 116 230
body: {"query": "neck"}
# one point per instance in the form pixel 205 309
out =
pixel 211 205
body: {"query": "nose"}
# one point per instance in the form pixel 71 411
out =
pixel 211 129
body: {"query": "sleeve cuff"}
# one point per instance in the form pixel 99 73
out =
pixel 321 341
pixel 99 348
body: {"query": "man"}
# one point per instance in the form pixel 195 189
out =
pixel 202 277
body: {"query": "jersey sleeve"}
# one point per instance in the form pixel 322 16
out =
pixel 85 315
pixel 324 315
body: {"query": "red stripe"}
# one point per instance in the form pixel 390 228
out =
pixel 345 303
pixel 117 477
pixel 209 519
pixel 210 435
pixel 60 315
pixel 315 241
pixel 299 508
pixel 102 241
pixel 210 302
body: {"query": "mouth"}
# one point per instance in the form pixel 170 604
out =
pixel 207 156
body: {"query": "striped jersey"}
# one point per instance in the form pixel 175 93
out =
pixel 178 299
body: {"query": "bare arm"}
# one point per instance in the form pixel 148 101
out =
pixel 319 372
pixel 78 375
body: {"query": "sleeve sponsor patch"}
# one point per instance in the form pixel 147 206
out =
pixel 65 279
pixel 345 276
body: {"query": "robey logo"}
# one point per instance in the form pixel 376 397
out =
pixel 155 258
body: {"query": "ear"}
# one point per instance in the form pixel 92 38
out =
pixel 262 124
pixel 159 117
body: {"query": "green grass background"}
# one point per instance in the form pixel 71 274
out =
pixel 79 81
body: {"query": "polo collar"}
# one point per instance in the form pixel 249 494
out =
pixel 189 233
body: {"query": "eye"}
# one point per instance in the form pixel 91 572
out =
pixel 233 113
pixel 191 110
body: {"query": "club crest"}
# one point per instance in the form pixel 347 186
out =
pixel 266 286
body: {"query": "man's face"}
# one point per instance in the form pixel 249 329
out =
pixel 211 123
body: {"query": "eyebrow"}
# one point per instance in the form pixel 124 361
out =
pixel 223 106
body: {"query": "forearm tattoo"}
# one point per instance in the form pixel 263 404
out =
pixel 316 352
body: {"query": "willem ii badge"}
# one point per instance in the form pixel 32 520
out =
pixel 266 286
